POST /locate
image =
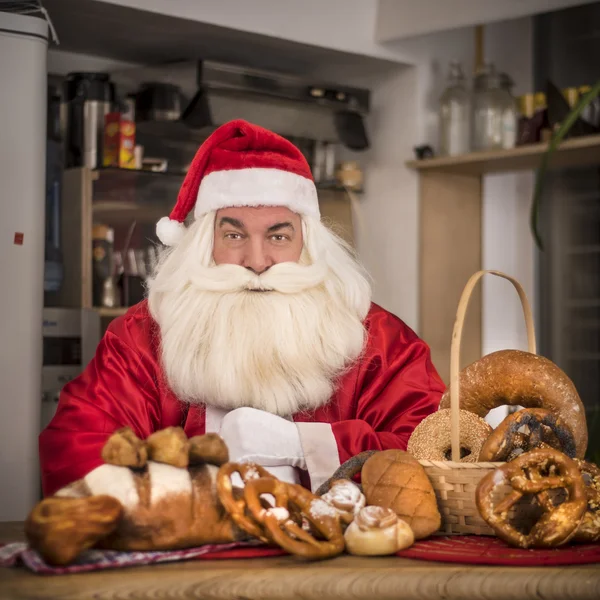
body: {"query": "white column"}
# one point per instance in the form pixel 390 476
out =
pixel 23 77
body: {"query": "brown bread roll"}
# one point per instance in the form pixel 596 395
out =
pixel 394 479
pixel 520 378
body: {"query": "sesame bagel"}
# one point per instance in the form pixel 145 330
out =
pixel 431 438
pixel 518 378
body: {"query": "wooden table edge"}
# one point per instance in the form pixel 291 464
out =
pixel 288 577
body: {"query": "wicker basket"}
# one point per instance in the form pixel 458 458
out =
pixel 455 482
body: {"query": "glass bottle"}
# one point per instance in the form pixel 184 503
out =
pixel 488 109
pixel 455 114
pixel 526 128
pixel 495 111
pixel 510 113
pixel 540 117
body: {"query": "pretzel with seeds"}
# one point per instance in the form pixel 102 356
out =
pixel 323 519
pixel 546 430
pixel 536 472
pixel 589 528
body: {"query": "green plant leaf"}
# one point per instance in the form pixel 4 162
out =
pixel 555 140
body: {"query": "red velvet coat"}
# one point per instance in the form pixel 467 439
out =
pixel 377 403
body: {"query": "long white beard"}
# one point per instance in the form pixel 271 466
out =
pixel 277 342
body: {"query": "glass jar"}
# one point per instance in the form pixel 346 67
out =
pixel 455 114
pixel 510 114
pixel 495 111
pixel 349 175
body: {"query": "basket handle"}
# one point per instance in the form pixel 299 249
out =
pixel 455 348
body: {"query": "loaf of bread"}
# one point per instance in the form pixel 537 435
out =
pixel 154 506
pixel 394 479
pixel 523 379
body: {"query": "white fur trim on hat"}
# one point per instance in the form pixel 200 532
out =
pixel 257 187
pixel 169 232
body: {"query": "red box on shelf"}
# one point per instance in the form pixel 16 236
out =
pixel 119 141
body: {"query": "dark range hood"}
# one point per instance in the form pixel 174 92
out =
pixel 221 77
pixel 290 105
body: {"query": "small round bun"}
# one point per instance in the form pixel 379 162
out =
pixel 431 438
pixel 377 531
pixel 345 496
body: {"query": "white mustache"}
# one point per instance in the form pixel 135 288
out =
pixel 285 278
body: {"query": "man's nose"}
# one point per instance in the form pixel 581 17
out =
pixel 257 259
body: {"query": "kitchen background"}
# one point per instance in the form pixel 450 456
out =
pixel 134 87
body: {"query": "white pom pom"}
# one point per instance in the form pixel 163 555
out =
pixel 169 232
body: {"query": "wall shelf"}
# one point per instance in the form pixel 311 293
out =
pixel 575 152
pixel 450 223
pixel 115 180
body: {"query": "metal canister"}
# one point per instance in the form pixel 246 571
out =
pixel 88 97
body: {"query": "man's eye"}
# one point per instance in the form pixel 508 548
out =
pixel 233 236
pixel 280 238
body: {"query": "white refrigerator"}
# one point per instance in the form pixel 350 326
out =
pixel 23 77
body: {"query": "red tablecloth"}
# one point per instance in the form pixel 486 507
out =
pixel 487 550
pixel 474 550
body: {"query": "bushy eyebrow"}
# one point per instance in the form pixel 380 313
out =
pixel 240 225
pixel 279 226
pixel 230 221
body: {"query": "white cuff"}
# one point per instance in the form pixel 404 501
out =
pixel 320 452
pixel 213 418
pixel 257 436
pixel 287 474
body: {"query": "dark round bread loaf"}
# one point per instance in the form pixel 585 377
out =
pixel 520 378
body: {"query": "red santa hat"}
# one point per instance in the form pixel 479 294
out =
pixel 241 164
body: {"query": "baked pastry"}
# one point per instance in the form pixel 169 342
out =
pixel 377 531
pixel 545 430
pixel 538 472
pixel 157 507
pixel 345 496
pixel 208 448
pixel 589 528
pixel 318 536
pixel 520 378
pixel 431 438
pixel 61 528
pixel 169 446
pixel 125 449
pixel 347 470
pixel 394 479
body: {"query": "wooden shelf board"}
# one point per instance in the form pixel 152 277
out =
pixel 111 312
pixel 119 212
pixel 571 153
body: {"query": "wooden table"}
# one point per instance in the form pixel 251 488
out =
pixel 286 577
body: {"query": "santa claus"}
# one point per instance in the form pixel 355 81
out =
pixel 258 325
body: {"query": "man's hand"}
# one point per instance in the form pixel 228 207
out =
pixel 254 435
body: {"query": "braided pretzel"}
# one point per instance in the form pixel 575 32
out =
pixel 536 472
pixel 236 507
pixel 543 426
pixel 589 528
pixel 284 531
